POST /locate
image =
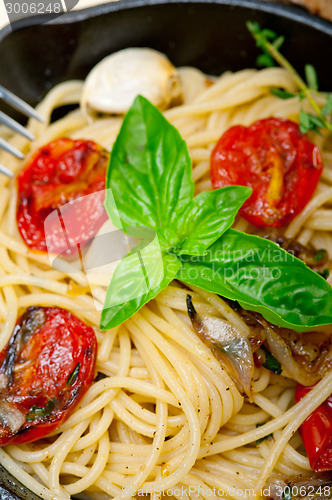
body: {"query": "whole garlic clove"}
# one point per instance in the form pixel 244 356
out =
pixel 193 82
pixel 116 80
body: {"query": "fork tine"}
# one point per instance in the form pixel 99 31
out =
pixel 18 103
pixel 10 149
pixel 9 122
pixel 6 171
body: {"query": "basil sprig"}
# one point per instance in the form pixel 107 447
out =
pixel 150 192
pixel 264 278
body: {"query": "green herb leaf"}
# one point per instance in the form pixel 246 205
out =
pixel 325 274
pixel 327 108
pixel 207 217
pixel 264 278
pixel 311 76
pixel 268 34
pixel 316 121
pixel 277 43
pixel 265 61
pixel 41 412
pixel 260 440
pixel 149 178
pixel 271 363
pixel 74 374
pixel 138 278
pixel 281 93
pixel 253 27
pixel 320 255
pixel 305 125
pixel 308 122
pixel 287 494
pixel 262 37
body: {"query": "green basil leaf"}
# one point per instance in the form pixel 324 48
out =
pixel 149 177
pixel 263 278
pixel 138 278
pixel 207 217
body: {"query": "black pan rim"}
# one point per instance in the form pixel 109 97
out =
pixel 293 13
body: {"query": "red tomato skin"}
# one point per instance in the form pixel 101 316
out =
pixel 48 357
pixel 58 173
pixel 316 433
pixel 273 158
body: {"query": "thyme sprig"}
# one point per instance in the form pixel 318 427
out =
pixel 270 43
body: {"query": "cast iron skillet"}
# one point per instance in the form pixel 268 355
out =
pixel 208 34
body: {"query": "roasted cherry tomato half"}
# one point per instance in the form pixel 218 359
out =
pixel 45 370
pixel 316 433
pixel 273 158
pixel 67 177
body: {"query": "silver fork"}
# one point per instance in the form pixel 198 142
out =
pixel 27 110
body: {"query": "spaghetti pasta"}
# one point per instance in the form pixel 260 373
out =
pixel 163 417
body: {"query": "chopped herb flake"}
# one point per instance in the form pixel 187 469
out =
pixel 260 440
pixel 287 493
pixel 320 255
pixel 74 374
pixel 325 274
pixel 41 412
pixel 271 363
